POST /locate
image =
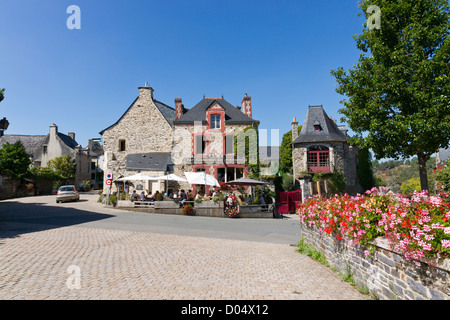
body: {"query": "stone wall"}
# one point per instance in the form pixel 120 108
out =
pixel 144 130
pixel 386 274
pixel 343 157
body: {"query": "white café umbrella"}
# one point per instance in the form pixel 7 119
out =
pixel 171 177
pixel 200 178
pixel 136 177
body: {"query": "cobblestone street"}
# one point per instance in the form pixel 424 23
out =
pixel 80 262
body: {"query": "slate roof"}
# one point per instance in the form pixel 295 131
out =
pixel 67 140
pixel 198 112
pixel 330 132
pixel 167 112
pixel 31 143
pixel 150 162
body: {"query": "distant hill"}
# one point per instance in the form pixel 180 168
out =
pixel 393 173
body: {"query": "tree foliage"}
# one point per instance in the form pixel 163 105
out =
pixel 246 143
pixel 365 171
pixel 64 166
pixel 411 185
pixel 398 94
pixel 286 152
pixel 14 159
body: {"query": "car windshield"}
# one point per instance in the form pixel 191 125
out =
pixel 66 189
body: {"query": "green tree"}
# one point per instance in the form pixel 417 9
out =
pixel 286 152
pixel 64 166
pixel 246 143
pixel 2 94
pixel 14 159
pixel 410 185
pixel 398 94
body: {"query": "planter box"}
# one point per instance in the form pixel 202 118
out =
pixel 166 205
pixel 124 204
pixel 208 204
pixel 253 211
pixel 209 209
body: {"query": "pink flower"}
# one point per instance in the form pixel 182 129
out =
pixel 445 243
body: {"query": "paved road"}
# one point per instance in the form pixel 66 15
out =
pixel 86 251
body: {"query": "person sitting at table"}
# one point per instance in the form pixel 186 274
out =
pixel 142 196
pixel 183 197
pixel 134 195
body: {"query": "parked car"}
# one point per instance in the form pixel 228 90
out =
pixel 67 193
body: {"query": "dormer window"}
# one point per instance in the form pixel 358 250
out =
pixel 317 126
pixel 215 121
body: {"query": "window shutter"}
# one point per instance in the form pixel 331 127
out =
pixel 198 144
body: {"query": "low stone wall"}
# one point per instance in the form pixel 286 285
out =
pixel 386 274
pixel 209 209
pixel 253 211
pixel 204 208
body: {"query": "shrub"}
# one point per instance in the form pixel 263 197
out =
pixel 113 199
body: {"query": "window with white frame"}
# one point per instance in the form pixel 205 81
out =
pixel 215 121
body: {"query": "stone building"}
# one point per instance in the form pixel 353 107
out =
pixel 322 148
pixel 155 139
pixel 43 148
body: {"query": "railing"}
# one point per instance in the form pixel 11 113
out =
pixel 204 159
pixel 316 167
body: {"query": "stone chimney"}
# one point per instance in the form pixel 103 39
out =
pixel 247 105
pixel 178 108
pixel 53 130
pixel 294 129
pixel 71 135
pixel 146 93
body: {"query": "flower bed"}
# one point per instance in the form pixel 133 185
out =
pixel 417 226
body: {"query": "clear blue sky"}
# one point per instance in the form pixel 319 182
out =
pixel 278 52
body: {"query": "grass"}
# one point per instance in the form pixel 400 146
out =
pixel 308 250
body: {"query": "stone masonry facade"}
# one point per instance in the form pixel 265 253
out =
pixel 141 129
pixel 194 140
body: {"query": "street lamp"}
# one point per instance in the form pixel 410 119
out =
pixel 3 125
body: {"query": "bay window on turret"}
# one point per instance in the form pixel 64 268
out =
pixel 318 159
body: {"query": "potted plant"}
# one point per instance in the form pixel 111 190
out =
pixel 188 210
pixel 113 200
pixel 231 212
